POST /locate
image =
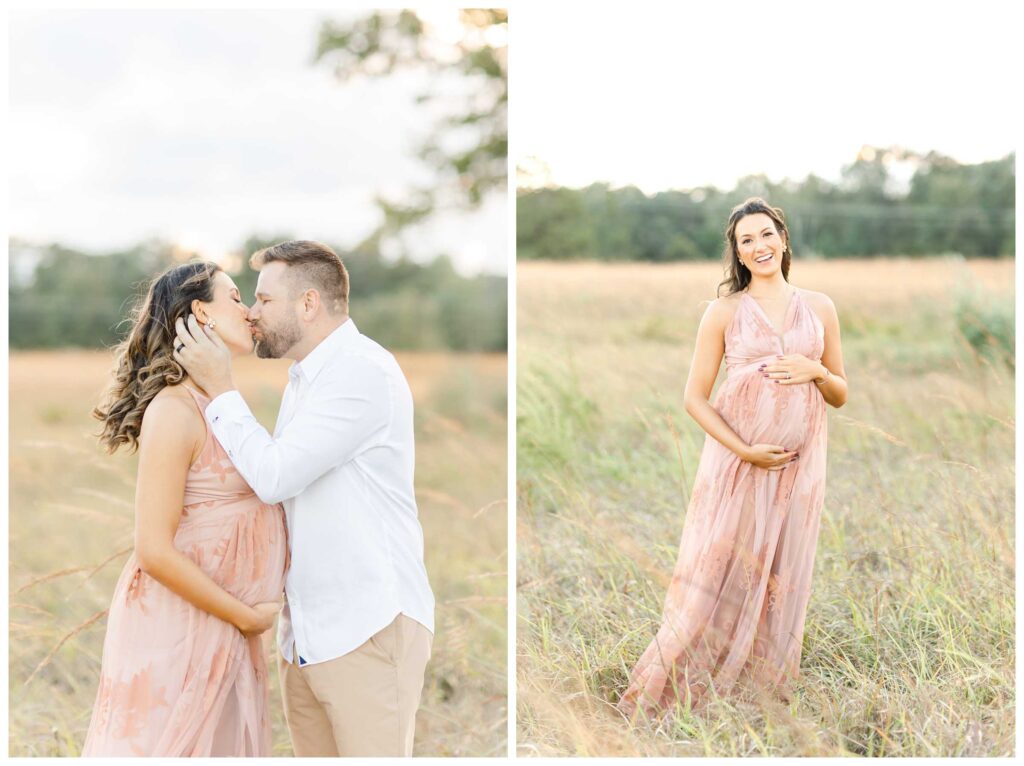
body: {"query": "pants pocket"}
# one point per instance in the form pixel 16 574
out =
pixel 388 641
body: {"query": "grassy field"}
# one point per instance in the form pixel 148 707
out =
pixel 909 643
pixel 71 526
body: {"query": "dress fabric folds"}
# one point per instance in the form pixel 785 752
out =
pixel 175 680
pixel 738 597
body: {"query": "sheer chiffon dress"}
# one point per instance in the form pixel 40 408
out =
pixel 175 680
pixel 738 596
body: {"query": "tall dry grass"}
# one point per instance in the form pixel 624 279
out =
pixel 71 529
pixel 909 643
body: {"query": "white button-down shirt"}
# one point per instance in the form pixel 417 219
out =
pixel 341 460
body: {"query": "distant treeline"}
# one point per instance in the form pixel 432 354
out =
pixel 61 297
pixel 946 207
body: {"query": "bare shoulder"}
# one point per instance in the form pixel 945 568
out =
pixel 821 304
pixel 173 418
pixel 719 312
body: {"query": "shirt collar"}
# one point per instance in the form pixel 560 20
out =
pixel 310 366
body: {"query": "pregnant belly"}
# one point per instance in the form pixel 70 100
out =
pixel 247 556
pixel 764 412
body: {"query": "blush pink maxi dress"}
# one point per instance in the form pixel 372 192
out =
pixel 738 597
pixel 175 680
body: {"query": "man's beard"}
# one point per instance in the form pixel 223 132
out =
pixel 275 343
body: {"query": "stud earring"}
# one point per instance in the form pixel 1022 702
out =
pixel 212 324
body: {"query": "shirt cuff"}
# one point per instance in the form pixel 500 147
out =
pixel 227 406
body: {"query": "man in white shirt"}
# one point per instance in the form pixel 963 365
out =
pixel 357 624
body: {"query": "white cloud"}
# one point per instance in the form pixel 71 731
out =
pixel 212 125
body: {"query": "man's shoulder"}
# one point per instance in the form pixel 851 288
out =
pixel 363 357
pixel 366 345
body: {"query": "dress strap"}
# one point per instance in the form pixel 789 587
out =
pixel 201 401
pixel 200 398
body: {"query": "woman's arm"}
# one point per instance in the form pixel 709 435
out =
pixel 170 433
pixel 828 374
pixel 707 358
pixel 834 388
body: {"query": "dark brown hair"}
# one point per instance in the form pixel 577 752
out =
pixel 737 276
pixel 145 364
pixel 314 265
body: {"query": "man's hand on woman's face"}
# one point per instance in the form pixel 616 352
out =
pixel 204 356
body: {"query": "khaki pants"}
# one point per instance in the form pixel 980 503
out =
pixel 363 703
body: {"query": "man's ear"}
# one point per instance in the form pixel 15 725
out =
pixel 311 303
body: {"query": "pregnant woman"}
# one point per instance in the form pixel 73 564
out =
pixel 738 597
pixel 183 670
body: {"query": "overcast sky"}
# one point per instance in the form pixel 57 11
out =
pixel 206 127
pixel 688 94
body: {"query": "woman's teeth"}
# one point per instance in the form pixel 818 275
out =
pixel 764 258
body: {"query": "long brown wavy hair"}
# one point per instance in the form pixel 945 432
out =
pixel 145 364
pixel 737 276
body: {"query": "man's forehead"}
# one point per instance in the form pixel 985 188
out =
pixel 271 276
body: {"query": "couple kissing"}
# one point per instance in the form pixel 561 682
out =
pixel 316 523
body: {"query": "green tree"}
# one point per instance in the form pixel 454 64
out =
pixel 468 146
pixel 947 207
pixel 61 297
pixel 552 224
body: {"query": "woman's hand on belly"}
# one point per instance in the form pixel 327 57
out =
pixel 260 618
pixel 792 369
pixel 771 457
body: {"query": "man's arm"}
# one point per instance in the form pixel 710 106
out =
pixel 344 413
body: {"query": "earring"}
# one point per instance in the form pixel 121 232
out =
pixel 212 324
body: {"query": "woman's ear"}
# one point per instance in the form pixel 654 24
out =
pixel 200 312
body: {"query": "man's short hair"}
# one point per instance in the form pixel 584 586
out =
pixel 310 264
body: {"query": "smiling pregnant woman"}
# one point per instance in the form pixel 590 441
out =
pixel 738 597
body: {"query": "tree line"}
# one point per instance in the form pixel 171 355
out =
pixel 944 207
pixel 62 297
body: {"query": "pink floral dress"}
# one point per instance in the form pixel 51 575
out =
pixel 738 597
pixel 175 680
